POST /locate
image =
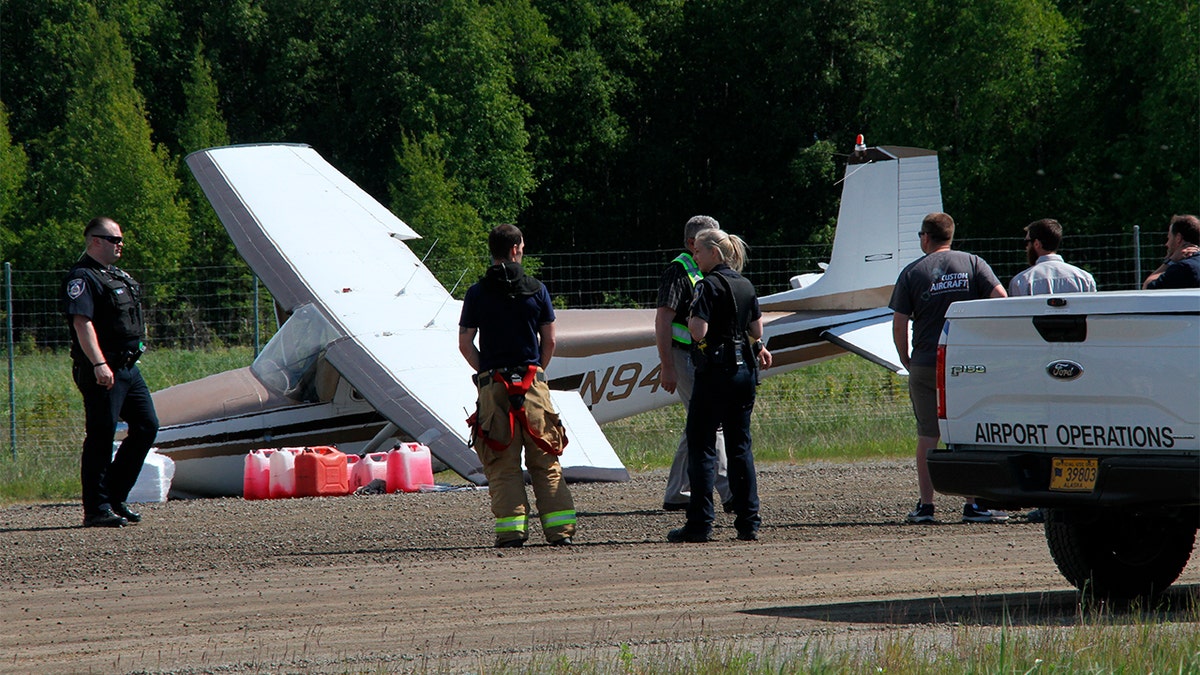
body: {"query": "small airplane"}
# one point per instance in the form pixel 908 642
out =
pixel 367 352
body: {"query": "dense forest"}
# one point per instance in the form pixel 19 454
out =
pixel 594 124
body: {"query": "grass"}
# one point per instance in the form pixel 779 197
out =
pixel 49 415
pixel 844 409
pixel 1096 639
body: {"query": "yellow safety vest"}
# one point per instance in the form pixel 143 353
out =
pixel 679 331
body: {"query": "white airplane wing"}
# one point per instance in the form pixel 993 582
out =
pixel 588 455
pixel 313 236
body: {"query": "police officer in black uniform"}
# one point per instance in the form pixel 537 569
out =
pixel 727 329
pixel 104 313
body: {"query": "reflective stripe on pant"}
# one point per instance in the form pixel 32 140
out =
pixel 506 485
pixel 507 527
pixel 558 519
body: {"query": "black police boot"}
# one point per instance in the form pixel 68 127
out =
pixel 127 513
pixel 682 534
pixel 104 518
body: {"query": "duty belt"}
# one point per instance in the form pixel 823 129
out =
pixel 126 358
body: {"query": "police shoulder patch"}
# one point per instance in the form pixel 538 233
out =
pixel 74 288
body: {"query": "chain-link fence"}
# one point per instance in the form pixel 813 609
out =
pixel 206 320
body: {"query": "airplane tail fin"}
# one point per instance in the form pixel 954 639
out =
pixel 886 192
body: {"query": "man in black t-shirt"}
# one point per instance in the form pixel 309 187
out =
pixel 513 316
pixel 923 293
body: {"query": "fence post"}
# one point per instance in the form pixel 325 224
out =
pixel 1137 257
pixel 12 392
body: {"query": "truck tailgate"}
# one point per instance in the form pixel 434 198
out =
pixel 1021 373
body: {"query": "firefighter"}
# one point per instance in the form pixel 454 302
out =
pixel 727 349
pixel 104 314
pixel 512 313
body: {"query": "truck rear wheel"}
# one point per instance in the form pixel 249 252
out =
pixel 1121 555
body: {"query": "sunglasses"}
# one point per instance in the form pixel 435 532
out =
pixel 109 238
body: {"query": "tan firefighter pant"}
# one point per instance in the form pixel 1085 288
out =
pixel 506 481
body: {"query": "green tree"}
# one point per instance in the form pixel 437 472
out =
pixel 577 67
pixel 102 161
pixel 202 126
pixel 31 70
pixel 1130 150
pixel 354 77
pixel 14 165
pixel 981 82
pixel 237 42
pixel 161 55
pixel 453 235
pixel 739 92
pixel 470 103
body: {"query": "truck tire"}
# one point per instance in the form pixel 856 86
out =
pixel 1120 555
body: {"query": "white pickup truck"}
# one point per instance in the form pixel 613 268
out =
pixel 1088 406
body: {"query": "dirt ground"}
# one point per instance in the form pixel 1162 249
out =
pixel 396 583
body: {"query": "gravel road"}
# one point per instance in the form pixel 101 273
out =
pixel 403 582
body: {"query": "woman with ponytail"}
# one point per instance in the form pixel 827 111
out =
pixel 727 329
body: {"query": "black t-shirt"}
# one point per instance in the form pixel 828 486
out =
pixel 927 287
pixel 1179 274
pixel 508 308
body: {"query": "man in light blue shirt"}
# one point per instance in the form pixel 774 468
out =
pixel 1048 272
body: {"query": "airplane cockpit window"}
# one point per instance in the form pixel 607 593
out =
pixel 290 362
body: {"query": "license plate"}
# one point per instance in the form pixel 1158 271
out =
pixel 1073 474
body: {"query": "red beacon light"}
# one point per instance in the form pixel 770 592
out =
pixel 859 145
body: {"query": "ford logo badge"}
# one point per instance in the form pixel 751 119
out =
pixel 1064 370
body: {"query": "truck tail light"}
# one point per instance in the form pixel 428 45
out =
pixel 941 382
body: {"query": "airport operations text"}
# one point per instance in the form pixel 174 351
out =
pixel 1075 435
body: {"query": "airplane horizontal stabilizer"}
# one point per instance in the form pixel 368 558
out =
pixel 869 338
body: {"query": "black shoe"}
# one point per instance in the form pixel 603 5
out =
pixel 681 534
pixel 104 518
pixel 1035 516
pixel 510 543
pixel 728 506
pixel 675 506
pixel 127 513
pixel 565 541
pixel 923 513
pixel 751 535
